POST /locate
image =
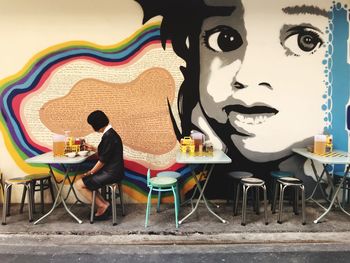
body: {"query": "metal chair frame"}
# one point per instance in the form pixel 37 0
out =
pixel 27 183
pixel 297 184
pixel 113 189
pixel 275 176
pixel 44 183
pixel 236 177
pixel 171 187
pixel 172 174
pixel 248 183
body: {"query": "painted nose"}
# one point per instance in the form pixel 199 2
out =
pixel 255 70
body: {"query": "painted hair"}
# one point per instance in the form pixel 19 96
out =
pixel 182 22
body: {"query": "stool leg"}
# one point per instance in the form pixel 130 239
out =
pixel 178 196
pixel 273 207
pixel 5 207
pixel 175 205
pixel 265 204
pixel 2 192
pixel 24 192
pixel 92 207
pixel 32 186
pixel 257 201
pixel 114 205
pixel 51 189
pixel 233 197
pixel 30 191
pixel 244 204
pixel 272 192
pixel 159 200
pixel 347 191
pixel 280 204
pixel 148 209
pixel 344 192
pixel 296 200
pixel 228 192
pixel 303 203
pixel 8 203
pixel 120 188
pixel 236 199
pixel 41 195
pixel 178 199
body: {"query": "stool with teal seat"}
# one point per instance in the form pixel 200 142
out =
pixel 275 176
pixel 161 184
pixel 171 174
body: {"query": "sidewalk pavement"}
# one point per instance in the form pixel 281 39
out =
pixel 202 228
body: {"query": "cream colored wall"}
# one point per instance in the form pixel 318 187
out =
pixel 28 27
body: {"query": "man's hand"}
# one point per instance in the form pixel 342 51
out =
pixel 90 147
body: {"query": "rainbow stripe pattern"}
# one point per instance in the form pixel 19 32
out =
pixel 14 89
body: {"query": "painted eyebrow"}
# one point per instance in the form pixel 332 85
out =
pixel 306 9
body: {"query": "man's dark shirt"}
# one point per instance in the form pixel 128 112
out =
pixel 110 152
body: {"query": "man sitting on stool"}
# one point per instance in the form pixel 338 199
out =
pixel 109 168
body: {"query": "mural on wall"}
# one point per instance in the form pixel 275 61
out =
pixel 257 78
pixel 135 86
pixel 260 77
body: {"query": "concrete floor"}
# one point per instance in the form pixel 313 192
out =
pixel 201 228
pixel 202 238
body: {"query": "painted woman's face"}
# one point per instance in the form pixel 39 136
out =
pixel 262 77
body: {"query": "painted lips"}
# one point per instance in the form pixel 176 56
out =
pixel 242 116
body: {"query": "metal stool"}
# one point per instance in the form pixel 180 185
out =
pixel 257 183
pixel 172 174
pixel 275 176
pixel 112 188
pixel 44 182
pixel 236 177
pixel 285 182
pixel 27 183
pixel 161 184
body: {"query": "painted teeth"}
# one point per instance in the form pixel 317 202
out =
pixel 251 120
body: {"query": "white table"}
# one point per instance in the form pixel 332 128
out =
pixel 337 157
pixel 66 163
pixel 219 157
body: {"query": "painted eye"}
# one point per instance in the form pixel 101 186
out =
pixel 222 39
pixel 302 41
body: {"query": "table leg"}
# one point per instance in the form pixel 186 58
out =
pixel 207 201
pixel 71 188
pixel 318 182
pixel 59 196
pixel 59 190
pixel 341 183
pixel 201 195
pixel 335 198
pixel 329 178
pixel 195 190
pixel 331 204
